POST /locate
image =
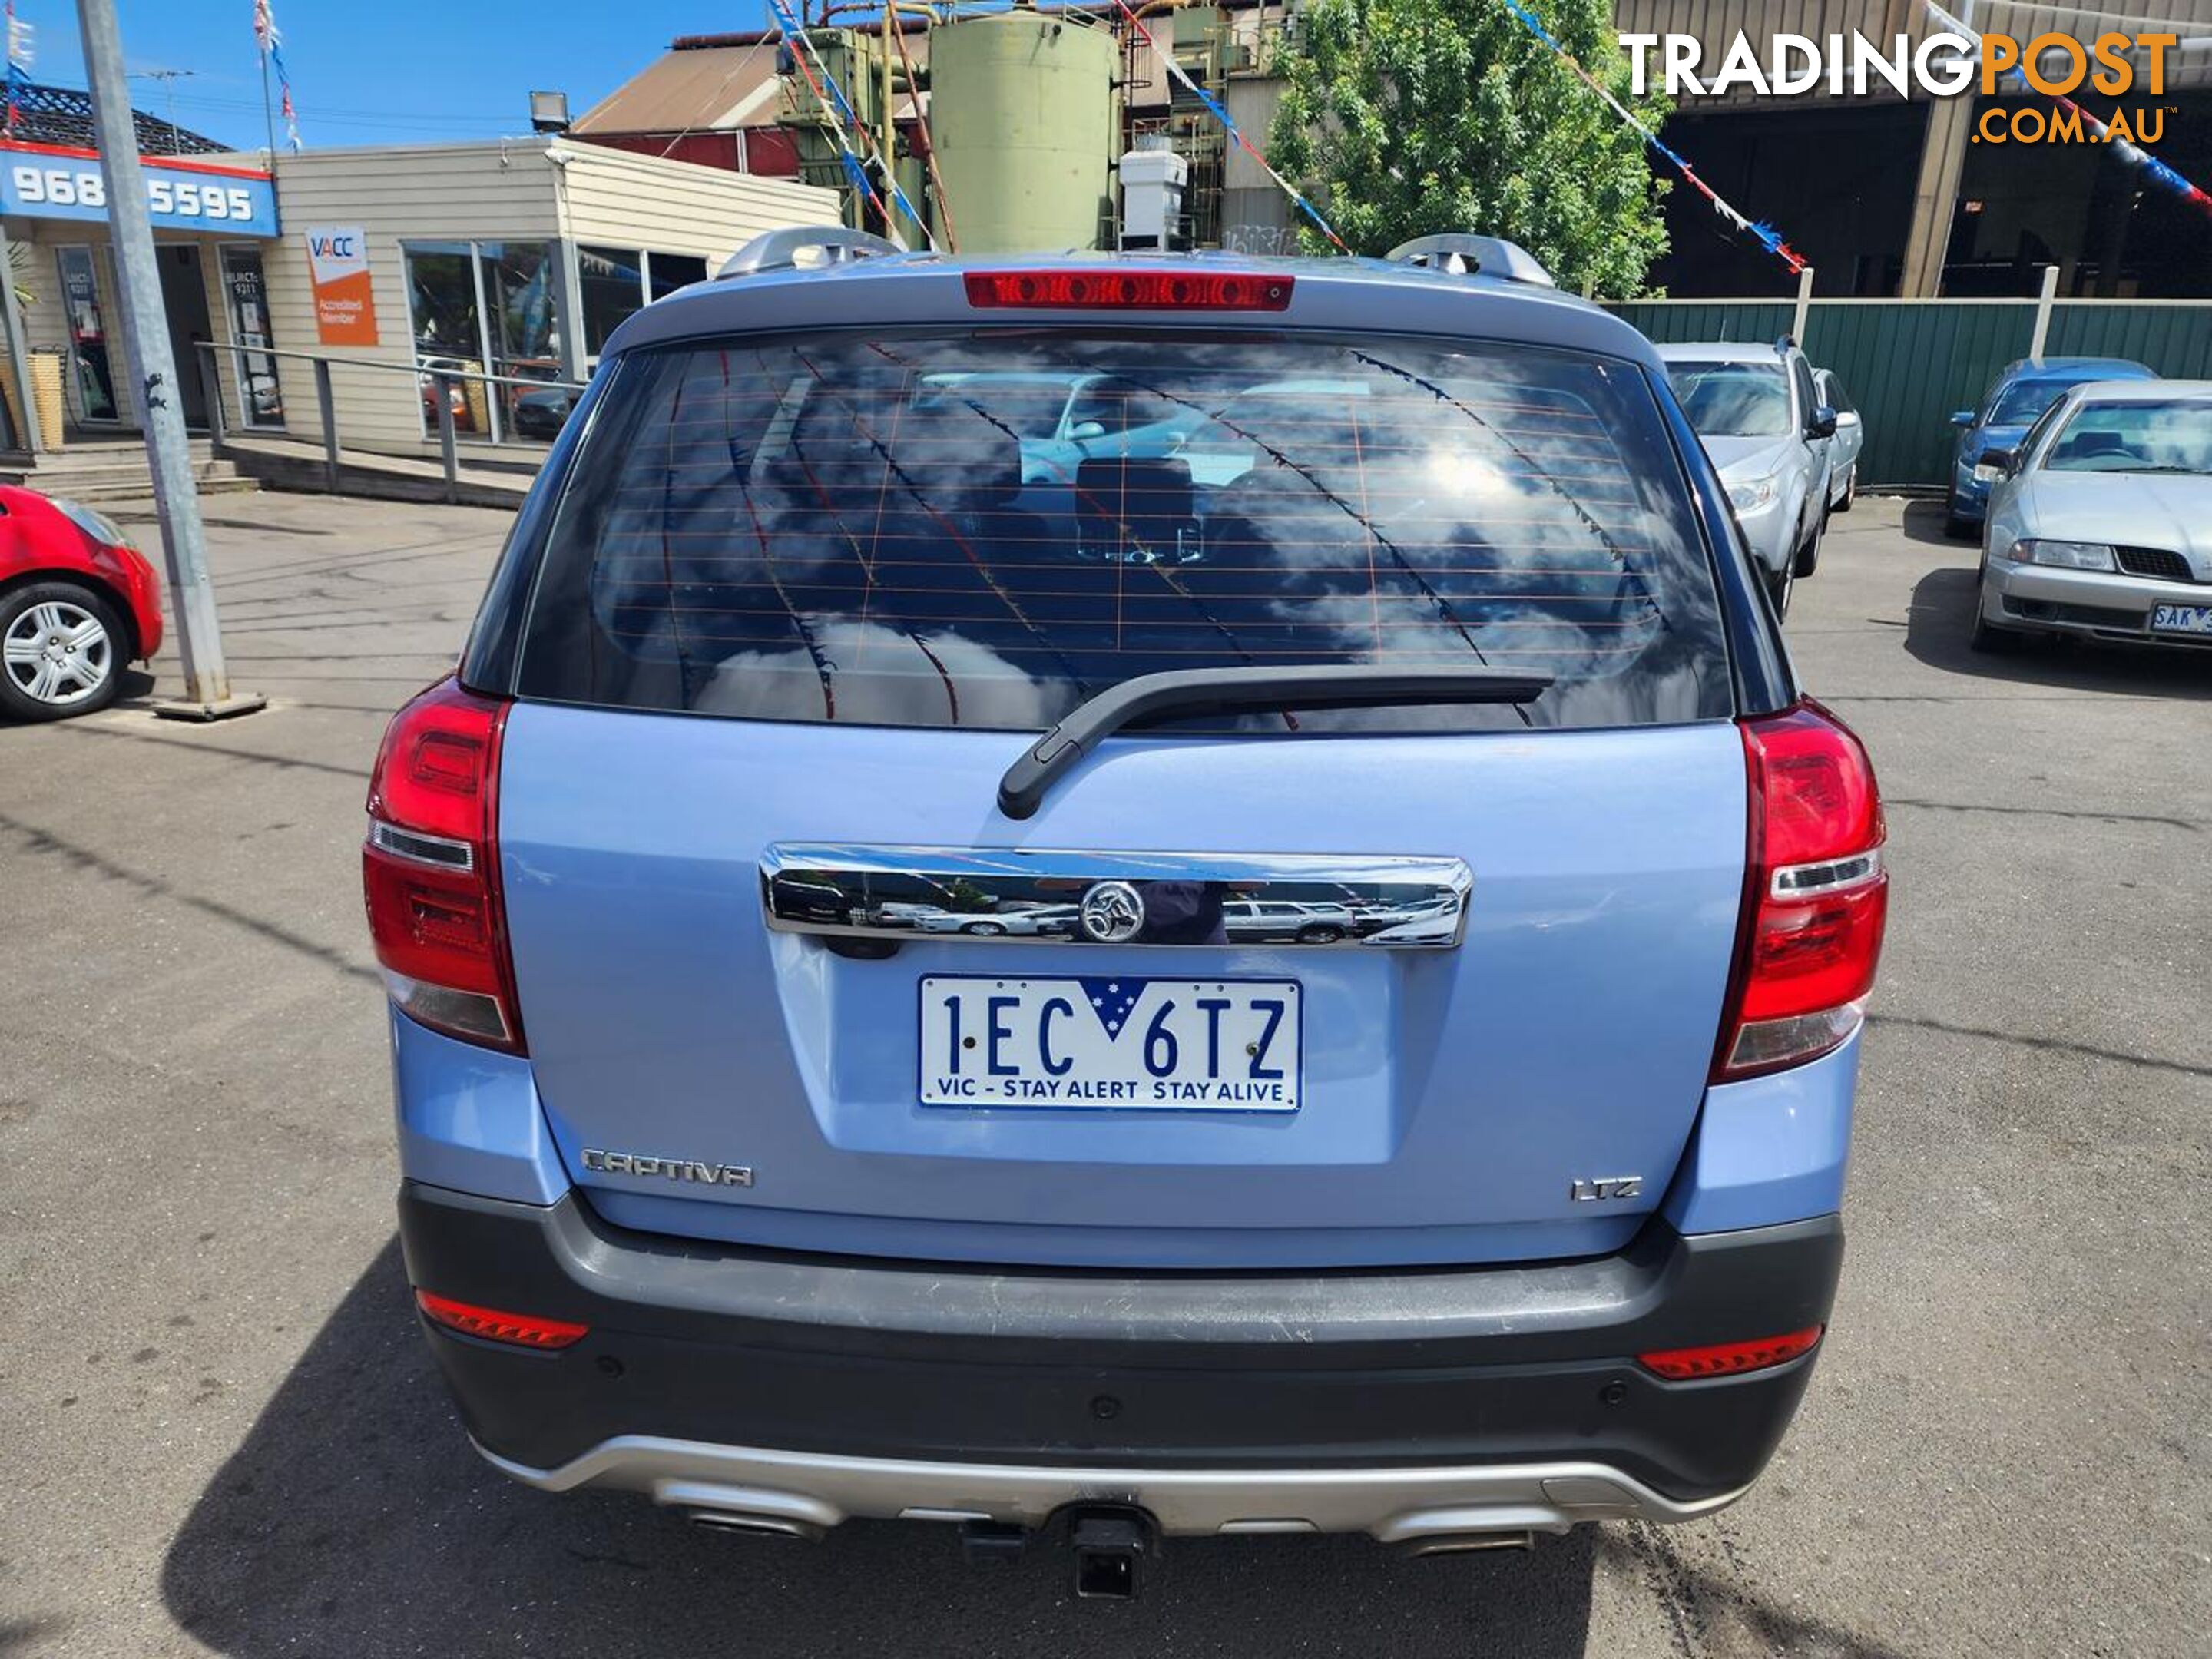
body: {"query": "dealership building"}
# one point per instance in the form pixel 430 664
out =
pixel 509 259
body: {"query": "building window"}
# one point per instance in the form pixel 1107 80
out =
pixel 246 290
pixel 484 309
pixel 671 271
pixel 89 369
pixel 613 282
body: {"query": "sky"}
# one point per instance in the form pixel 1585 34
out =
pixel 380 71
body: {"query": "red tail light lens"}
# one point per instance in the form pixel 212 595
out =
pixel 430 869
pixel 1816 895
pixel 1128 291
pixel 521 1329
pixel 1730 1358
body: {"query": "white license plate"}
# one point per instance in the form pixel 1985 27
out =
pixel 1111 1043
pixel 2181 619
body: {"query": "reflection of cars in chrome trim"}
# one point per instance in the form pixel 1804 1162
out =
pixel 1020 895
pixel 1287 920
pixel 1029 923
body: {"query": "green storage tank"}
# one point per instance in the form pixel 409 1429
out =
pixel 1021 109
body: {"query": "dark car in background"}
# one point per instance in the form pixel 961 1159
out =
pixel 2016 399
pixel 542 414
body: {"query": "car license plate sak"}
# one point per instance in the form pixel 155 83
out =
pixel 2182 619
pixel 1111 1043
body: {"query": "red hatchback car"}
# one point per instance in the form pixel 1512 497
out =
pixel 77 601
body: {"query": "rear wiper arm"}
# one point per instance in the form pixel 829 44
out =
pixel 1184 693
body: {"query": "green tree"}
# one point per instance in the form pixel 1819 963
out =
pixel 1405 118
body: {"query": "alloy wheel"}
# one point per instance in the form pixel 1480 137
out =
pixel 57 653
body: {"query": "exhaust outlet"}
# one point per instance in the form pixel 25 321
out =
pixel 1111 1547
pixel 758 1526
pixel 1466 1543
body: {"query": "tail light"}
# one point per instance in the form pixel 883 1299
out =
pixel 430 868
pixel 1128 291
pixel 523 1330
pixel 1730 1358
pixel 1816 895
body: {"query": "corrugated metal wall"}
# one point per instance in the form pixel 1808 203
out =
pixel 1666 320
pixel 2175 340
pixel 1907 366
pixel 1909 363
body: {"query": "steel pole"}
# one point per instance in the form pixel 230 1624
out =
pixel 153 374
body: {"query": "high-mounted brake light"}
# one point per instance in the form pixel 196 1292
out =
pixel 1730 1358
pixel 523 1330
pixel 1128 291
pixel 1816 895
pixel 430 867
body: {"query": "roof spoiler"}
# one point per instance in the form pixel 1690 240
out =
pixel 1462 255
pixel 780 250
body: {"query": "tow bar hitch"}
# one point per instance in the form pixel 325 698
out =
pixel 1111 1548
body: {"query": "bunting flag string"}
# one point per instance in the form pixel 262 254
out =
pixel 271 42
pixel 22 37
pixel 2134 154
pixel 827 92
pixel 1759 230
pixel 1220 111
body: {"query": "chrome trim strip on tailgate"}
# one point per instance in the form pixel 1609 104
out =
pixel 1024 896
pixel 812 1491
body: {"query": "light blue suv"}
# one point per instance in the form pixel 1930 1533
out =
pixel 1506 1201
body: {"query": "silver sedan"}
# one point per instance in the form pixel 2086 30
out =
pixel 2101 522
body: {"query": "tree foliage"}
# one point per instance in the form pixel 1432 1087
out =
pixel 1404 118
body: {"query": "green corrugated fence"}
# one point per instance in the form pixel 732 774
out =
pixel 1909 363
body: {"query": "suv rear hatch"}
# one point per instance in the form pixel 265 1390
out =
pixel 1426 982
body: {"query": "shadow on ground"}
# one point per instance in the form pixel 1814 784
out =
pixel 1942 617
pixel 356 1520
pixel 1925 521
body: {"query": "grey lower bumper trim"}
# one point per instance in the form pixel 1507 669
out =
pixel 810 1490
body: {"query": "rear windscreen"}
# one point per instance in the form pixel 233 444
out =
pixel 983 529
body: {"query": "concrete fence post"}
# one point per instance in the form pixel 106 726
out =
pixel 329 414
pixel 2043 303
pixel 1804 304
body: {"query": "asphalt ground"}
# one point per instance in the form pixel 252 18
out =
pixel 223 1433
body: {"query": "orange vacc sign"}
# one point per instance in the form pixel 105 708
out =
pixel 337 263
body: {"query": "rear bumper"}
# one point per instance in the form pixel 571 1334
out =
pixel 772 1386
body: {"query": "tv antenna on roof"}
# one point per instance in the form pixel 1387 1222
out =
pixel 168 78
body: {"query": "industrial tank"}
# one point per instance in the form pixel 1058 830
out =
pixel 1021 110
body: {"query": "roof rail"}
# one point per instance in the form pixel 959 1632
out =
pixel 1461 255
pixel 780 250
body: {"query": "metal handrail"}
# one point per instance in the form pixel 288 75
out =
pixel 442 379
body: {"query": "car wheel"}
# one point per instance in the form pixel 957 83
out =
pixel 1958 528
pixel 62 651
pixel 1850 489
pixel 1808 557
pixel 982 929
pixel 1320 933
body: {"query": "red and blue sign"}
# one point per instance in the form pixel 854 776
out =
pixel 53 181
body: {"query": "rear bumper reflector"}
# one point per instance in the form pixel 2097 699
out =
pixel 1731 1359
pixel 522 1330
